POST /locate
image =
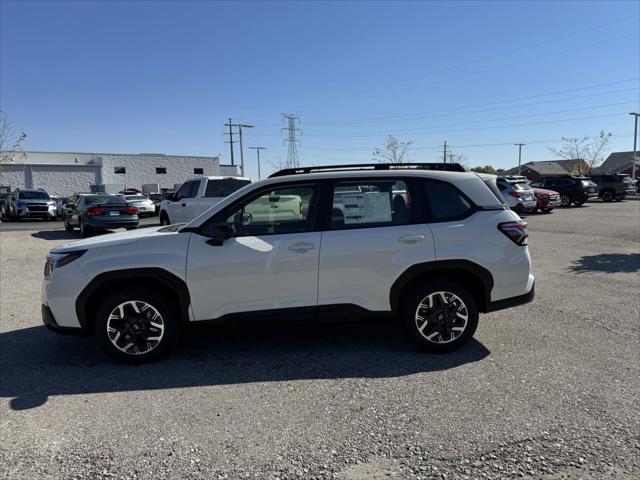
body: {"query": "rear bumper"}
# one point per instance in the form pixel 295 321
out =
pixel 50 322
pixel 106 222
pixel 512 301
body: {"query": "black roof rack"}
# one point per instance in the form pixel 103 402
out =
pixel 447 167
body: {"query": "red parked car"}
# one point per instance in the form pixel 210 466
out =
pixel 546 200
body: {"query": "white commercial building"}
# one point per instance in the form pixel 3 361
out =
pixel 63 173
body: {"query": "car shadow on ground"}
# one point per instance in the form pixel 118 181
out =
pixel 56 235
pixel 37 363
pixel 607 262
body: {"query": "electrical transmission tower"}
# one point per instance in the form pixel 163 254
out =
pixel 291 141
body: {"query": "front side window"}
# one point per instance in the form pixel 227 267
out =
pixel 274 211
pixel 446 203
pixel 188 190
pixel 376 203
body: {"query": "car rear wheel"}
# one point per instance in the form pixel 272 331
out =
pixel 85 230
pixel 440 317
pixel 607 196
pixel 136 325
pixel 547 210
pixel 565 200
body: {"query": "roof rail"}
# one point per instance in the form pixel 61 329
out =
pixel 448 167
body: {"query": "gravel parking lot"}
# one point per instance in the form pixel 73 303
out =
pixel 547 390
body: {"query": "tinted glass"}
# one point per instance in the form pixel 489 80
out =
pixel 33 195
pixel 223 188
pixel 370 204
pixel 446 202
pixel 187 190
pixel 103 200
pixel 276 211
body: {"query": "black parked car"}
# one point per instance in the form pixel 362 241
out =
pixel 614 187
pixel 572 189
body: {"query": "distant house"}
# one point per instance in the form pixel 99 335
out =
pixel 549 168
pixel 619 162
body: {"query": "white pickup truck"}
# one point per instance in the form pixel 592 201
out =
pixel 196 196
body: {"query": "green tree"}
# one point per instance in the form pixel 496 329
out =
pixel 485 169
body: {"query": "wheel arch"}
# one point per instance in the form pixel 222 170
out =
pixel 170 285
pixel 477 279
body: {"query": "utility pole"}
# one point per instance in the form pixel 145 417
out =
pixel 635 144
pixel 257 149
pixel 519 145
pixel 291 141
pixel 240 127
pixel 445 152
pixel 231 141
pixel 451 156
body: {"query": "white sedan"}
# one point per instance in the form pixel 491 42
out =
pixel 144 205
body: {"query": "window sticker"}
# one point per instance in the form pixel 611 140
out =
pixel 369 207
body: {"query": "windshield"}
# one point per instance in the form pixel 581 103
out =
pixel 34 196
pixel 104 200
pixel 627 179
pixel 521 186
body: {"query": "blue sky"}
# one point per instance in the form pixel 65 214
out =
pixel 165 76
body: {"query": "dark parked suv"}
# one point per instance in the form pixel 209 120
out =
pixel 576 190
pixel 614 187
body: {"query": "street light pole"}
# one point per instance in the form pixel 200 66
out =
pixel 635 144
pixel 257 149
pixel 519 145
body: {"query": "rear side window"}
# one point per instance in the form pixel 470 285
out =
pixel 223 188
pixel 376 203
pixel 446 203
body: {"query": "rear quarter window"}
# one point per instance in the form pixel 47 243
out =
pixel 446 203
pixel 224 188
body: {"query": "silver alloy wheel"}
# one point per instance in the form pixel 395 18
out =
pixel 441 317
pixel 135 327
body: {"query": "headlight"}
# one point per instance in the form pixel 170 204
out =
pixel 57 260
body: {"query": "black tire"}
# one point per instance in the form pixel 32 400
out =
pixel 607 196
pixel 449 319
pixel 619 198
pixel 519 209
pixel 565 200
pixel 132 228
pixel 67 226
pixel 547 210
pixel 85 230
pixel 164 219
pixel 578 203
pixel 136 336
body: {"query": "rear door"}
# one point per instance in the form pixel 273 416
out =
pixel 373 235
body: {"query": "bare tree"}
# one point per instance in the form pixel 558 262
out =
pixel 10 140
pixel 278 164
pixel 394 151
pixel 587 154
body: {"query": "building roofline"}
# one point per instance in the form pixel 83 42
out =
pixel 106 153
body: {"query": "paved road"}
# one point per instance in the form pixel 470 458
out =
pixel 549 390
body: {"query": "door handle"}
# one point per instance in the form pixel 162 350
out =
pixel 411 238
pixel 302 247
pixel 184 204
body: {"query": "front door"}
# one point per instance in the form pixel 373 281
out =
pixel 270 262
pixel 180 210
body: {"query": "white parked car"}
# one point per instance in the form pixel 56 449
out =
pixel 145 206
pixel 435 247
pixel 196 196
pixel 517 193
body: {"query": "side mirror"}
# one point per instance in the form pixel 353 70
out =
pixel 221 232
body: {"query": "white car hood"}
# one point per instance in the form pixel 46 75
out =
pixel 114 239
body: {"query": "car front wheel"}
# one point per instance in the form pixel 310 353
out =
pixel 67 225
pixel 565 200
pixel 440 317
pixel 607 196
pixel 164 219
pixel 136 325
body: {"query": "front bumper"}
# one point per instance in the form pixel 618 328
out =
pixel 24 212
pixel 50 322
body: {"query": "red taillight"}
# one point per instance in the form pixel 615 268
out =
pixel 130 211
pixel 94 211
pixel 516 231
pixel 515 194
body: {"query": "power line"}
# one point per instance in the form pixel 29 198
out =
pixel 291 141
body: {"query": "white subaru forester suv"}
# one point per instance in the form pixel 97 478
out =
pixel 430 243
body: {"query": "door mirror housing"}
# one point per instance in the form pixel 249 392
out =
pixel 221 232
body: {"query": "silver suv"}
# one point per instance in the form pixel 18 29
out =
pixel 517 193
pixel 32 203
